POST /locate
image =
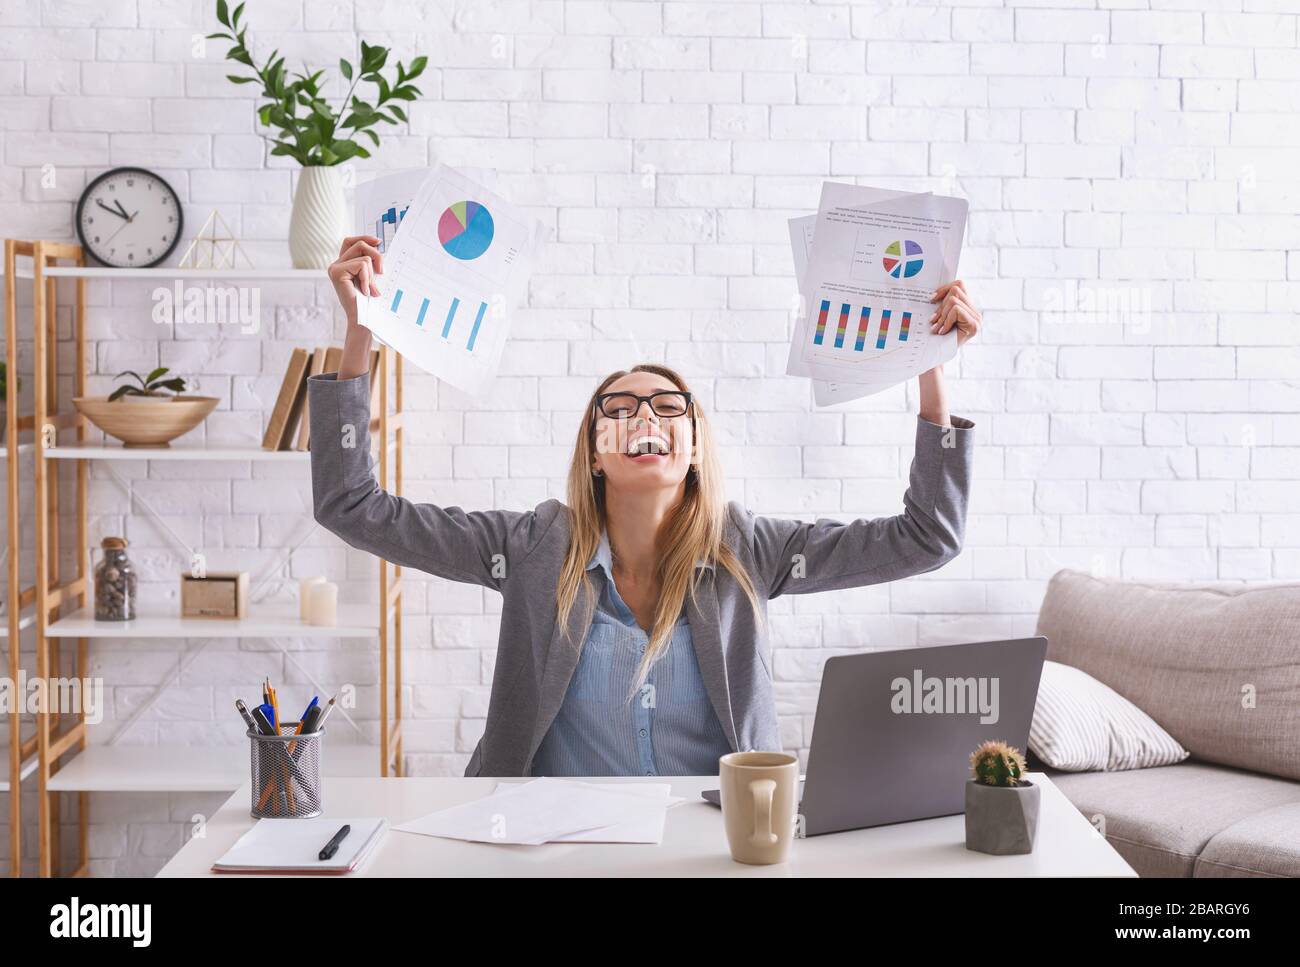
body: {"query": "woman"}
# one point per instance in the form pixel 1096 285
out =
pixel 632 636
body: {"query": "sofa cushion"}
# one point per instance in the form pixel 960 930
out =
pixel 1216 665
pixel 1160 820
pixel 1265 844
pixel 1081 724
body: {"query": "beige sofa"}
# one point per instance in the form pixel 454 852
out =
pixel 1218 667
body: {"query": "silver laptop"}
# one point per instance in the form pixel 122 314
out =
pixel 895 729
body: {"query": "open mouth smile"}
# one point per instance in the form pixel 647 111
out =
pixel 648 447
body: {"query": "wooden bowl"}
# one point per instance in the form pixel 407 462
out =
pixel 146 422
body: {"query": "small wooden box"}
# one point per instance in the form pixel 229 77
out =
pixel 218 595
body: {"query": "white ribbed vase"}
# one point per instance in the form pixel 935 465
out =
pixel 319 219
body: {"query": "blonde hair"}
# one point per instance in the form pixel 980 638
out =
pixel 693 532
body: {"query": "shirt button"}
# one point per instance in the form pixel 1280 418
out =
pixel 643 733
pixel 651 773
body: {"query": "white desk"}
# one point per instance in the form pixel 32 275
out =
pixel 694 843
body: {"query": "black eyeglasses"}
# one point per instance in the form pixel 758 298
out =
pixel 622 406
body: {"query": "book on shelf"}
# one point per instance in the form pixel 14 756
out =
pixel 288 404
pixel 290 425
pixel 316 367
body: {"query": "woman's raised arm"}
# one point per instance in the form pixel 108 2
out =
pixel 478 547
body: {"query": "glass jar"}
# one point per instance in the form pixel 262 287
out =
pixel 114 583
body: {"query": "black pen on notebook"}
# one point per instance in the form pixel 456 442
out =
pixel 332 846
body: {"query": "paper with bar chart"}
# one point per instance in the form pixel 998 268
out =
pixel 868 262
pixel 452 274
pixel 828 392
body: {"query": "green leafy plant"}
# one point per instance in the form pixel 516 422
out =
pixel 4 382
pixel 311 131
pixel 998 764
pixel 148 385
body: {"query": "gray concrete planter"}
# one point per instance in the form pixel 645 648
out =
pixel 1001 820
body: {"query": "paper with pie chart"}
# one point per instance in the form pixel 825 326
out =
pixel 454 268
pixel 868 262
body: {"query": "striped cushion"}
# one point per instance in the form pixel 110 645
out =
pixel 1082 725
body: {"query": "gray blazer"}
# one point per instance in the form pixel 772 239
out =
pixel 519 554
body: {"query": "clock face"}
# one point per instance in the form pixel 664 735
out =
pixel 129 217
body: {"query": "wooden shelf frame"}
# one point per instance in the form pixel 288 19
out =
pixel 21 754
pixel 56 737
pixel 51 595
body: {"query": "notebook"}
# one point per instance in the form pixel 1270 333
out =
pixel 294 845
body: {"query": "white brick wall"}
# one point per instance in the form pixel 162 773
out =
pixel 1139 150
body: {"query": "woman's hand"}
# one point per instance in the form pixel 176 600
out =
pixel 353 273
pixel 955 309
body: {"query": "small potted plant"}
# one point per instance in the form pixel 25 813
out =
pixel 319 134
pixel 148 387
pixel 159 412
pixel 1001 805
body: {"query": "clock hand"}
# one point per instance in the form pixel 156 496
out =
pixel 111 211
pixel 118 203
pixel 118 232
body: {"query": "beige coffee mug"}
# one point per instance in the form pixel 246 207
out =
pixel 760 798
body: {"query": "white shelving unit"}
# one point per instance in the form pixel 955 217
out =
pixel 24 621
pixel 196 768
pixel 24 271
pixel 171 768
pixel 355 621
pixel 27 768
pixel 108 451
pixel 67 762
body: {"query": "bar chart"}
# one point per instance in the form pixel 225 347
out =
pixel 460 326
pixel 844 311
pixel 386 225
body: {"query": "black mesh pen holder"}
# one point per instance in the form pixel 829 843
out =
pixel 286 774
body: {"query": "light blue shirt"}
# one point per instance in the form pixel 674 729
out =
pixel 668 728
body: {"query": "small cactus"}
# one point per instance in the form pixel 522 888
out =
pixel 998 764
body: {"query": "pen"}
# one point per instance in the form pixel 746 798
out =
pixel 248 719
pixel 311 723
pixel 329 707
pixel 306 725
pixel 263 720
pixel 332 846
pixel 293 770
pixel 262 715
pixel 315 701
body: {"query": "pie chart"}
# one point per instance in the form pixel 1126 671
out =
pixel 903 259
pixel 465 230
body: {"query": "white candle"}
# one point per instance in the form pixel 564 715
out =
pixel 323 604
pixel 304 598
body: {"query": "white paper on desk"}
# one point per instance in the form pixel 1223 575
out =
pixel 648 827
pixel 452 274
pixel 536 812
pixel 873 261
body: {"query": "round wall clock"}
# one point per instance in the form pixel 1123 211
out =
pixel 129 218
